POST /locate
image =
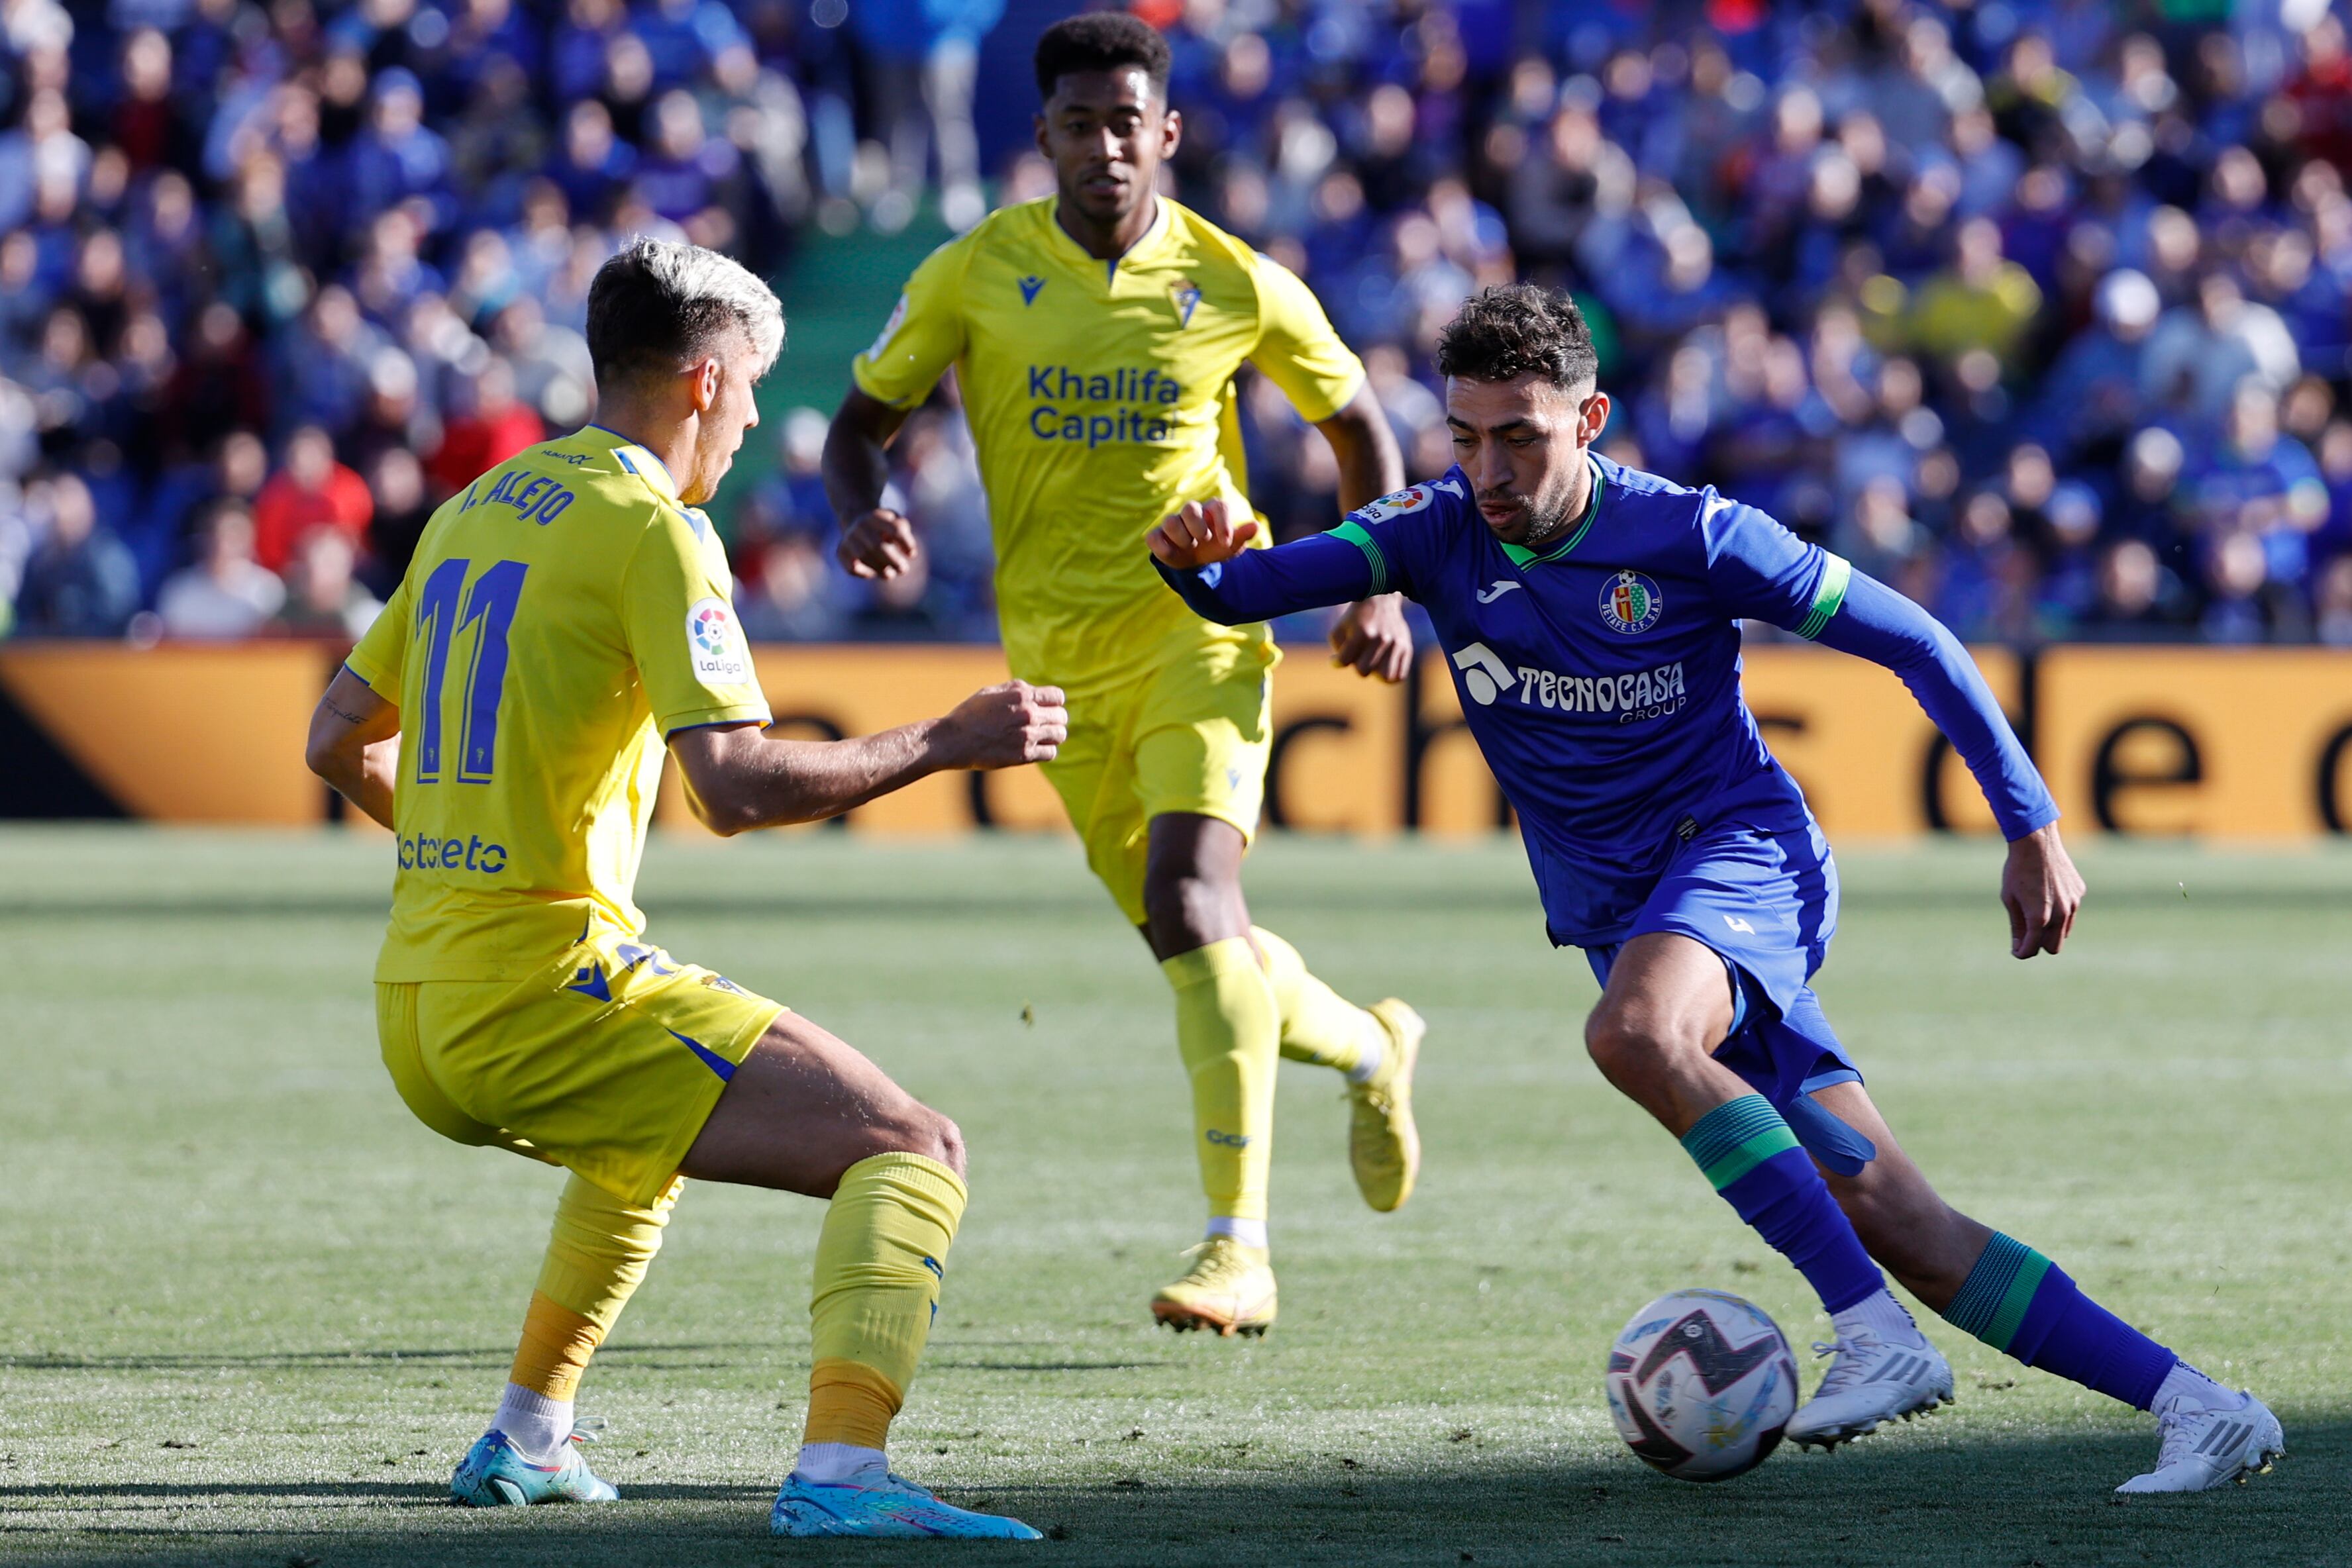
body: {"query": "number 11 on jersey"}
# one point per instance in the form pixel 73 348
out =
pixel 490 609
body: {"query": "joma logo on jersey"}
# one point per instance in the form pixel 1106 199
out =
pixel 1638 695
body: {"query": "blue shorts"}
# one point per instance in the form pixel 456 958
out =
pixel 1766 903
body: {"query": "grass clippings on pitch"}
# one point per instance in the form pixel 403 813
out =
pixel 254 1313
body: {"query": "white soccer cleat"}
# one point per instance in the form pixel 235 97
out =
pixel 1870 1384
pixel 2205 1446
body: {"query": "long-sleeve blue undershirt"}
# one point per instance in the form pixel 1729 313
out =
pixel 1871 621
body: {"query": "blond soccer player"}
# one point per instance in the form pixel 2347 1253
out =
pixel 1097 334
pixel 566 618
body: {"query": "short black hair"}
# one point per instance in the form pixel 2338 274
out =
pixel 1516 329
pixel 1100 41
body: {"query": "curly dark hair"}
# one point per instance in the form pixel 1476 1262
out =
pixel 1100 41
pixel 1516 329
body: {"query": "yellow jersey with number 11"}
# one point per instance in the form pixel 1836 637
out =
pixel 1101 399
pixel 563 614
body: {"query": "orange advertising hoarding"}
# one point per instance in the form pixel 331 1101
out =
pixel 2252 744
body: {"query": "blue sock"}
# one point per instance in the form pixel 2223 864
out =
pixel 2017 1300
pixel 1754 1161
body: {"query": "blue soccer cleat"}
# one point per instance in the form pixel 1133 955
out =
pixel 892 1507
pixel 493 1474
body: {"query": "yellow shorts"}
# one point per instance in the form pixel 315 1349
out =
pixel 1193 735
pixel 607 1063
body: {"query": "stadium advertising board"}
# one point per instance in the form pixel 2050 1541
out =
pixel 2247 744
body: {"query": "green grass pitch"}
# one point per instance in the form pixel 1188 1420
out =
pixel 252 1312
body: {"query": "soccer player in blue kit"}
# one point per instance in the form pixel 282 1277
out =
pixel 1590 614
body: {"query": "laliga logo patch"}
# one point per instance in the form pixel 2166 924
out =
pixel 714 646
pixel 1629 603
pixel 889 330
pixel 1396 506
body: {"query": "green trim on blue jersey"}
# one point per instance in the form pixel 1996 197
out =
pixel 1837 575
pixel 1355 534
pixel 1735 1138
pixel 1992 1300
pixel 1523 557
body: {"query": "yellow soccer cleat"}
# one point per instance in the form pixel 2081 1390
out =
pixel 1384 1145
pixel 1229 1289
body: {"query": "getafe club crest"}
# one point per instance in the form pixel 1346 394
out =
pixel 1629 603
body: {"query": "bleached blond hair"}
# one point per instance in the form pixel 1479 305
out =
pixel 659 306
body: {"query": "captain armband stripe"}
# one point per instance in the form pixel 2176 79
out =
pixel 1355 534
pixel 1837 574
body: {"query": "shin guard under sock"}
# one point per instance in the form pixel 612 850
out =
pixel 880 1260
pixel 1227 1029
pixel 1755 1162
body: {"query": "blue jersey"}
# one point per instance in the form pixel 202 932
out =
pixel 1600 675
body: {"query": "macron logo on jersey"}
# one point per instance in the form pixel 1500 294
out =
pixel 1029 287
pixel 1636 694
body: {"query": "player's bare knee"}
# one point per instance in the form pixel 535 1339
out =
pixel 923 1131
pixel 1184 910
pixel 1625 1044
pixel 948 1139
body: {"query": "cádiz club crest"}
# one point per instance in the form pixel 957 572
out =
pixel 1629 603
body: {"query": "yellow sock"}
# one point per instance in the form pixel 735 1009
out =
pixel 596 1257
pixel 880 1260
pixel 1319 1024
pixel 1228 1029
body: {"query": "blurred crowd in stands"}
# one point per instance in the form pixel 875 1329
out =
pixel 2038 310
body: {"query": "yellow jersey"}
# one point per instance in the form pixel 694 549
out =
pixel 563 614
pixel 1100 397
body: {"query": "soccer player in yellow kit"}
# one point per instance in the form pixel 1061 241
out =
pixel 1096 335
pixel 564 616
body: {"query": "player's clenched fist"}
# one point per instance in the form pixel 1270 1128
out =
pixel 1003 727
pixel 1202 534
pixel 879 543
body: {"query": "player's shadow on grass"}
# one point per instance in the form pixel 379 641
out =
pixel 1948 1496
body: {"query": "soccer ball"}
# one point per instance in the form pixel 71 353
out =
pixel 1700 1383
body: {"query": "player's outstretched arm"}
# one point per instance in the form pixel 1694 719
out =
pixel 354 743
pixel 738 777
pixel 2039 887
pixel 1202 551
pixel 876 541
